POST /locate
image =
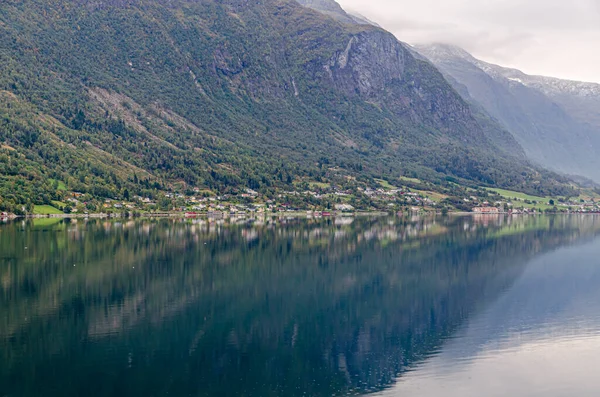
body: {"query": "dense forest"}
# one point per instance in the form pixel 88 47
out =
pixel 117 98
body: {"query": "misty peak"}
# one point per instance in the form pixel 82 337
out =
pixel 443 51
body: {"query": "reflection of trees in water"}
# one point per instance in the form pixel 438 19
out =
pixel 253 307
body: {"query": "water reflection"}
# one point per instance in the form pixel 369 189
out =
pixel 257 307
pixel 541 337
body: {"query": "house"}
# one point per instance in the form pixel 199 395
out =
pixel 344 207
pixel 486 210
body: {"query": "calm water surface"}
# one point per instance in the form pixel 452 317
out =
pixel 458 306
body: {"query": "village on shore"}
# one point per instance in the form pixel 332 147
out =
pixel 323 200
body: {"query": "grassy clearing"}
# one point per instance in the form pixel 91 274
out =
pixel 434 196
pixel 321 185
pixel 206 191
pixel 385 184
pixel 58 204
pixel 407 179
pixel 61 184
pixel 541 202
pixel 518 195
pixel 46 210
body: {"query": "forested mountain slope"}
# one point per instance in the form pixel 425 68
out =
pixel 125 96
pixel 556 121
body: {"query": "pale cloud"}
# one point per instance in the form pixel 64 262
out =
pixel 550 37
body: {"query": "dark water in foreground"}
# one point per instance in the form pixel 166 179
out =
pixel 465 306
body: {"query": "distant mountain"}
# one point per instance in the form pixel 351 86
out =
pixel 580 99
pixel 123 97
pixel 556 121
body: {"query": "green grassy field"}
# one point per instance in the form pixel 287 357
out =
pixel 61 184
pixel 519 196
pixel 407 179
pixel 46 210
pixel 542 202
pixel 385 184
pixel 321 185
pixel 434 196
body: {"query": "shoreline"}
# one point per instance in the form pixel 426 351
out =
pixel 296 214
pixel 198 215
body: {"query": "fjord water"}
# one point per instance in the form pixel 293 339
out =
pixel 457 306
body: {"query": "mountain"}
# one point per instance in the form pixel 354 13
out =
pixel 556 121
pixel 123 97
pixel 580 99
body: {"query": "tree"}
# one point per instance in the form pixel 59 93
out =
pixel 164 204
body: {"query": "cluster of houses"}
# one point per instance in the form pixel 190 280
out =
pixel 394 194
pixel 250 201
pixel 328 198
pixel 508 207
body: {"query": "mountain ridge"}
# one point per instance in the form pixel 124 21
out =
pixel 556 121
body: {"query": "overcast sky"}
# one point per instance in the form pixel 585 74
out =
pixel 558 38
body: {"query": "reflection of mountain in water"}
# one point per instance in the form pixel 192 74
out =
pixel 284 307
pixel 565 298
pixel 540 337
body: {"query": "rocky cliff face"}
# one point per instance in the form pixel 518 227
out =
pixel 370 62
pixel 375 66
pixel 555 121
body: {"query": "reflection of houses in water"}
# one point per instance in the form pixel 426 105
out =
pixel 487 219
pixel 343 221
pixel 486 210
